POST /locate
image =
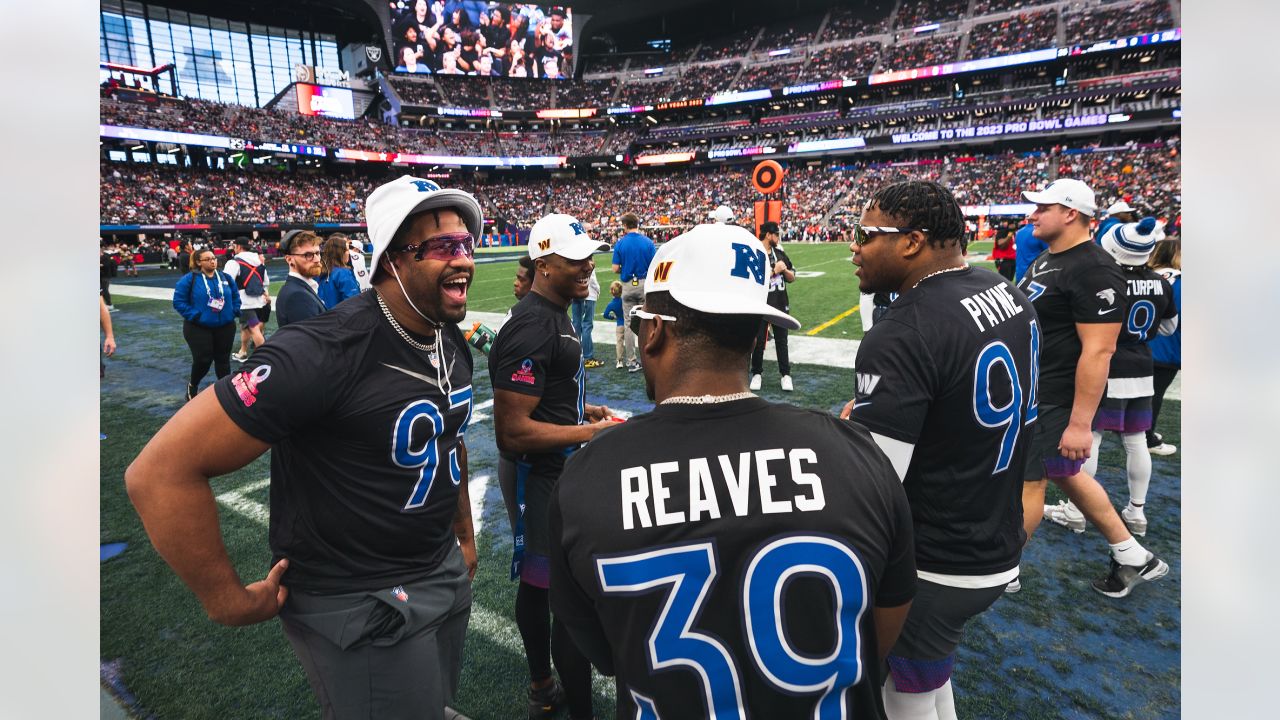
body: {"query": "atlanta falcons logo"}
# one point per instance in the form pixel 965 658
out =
pixel 1109 295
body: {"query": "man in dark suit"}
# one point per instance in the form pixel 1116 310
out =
pixel 298 299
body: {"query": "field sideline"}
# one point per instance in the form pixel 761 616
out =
pixel 1055 650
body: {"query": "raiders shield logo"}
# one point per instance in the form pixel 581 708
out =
pixel 373 52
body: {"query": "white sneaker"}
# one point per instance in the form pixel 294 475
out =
pixel 1135 520
pixel 1015 585
pixel 1163 448
pixel 1066 515
pixel 786 384
pixel 239 357
pixel 756 381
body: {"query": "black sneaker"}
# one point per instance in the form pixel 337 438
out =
pixel 545 701
pixel 1121 579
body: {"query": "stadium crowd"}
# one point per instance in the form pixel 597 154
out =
pixel 1025 31
pixel 913 13
pixel 1117 21
pixel 1146 174
pixel 919 53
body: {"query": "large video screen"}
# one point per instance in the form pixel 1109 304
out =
pixel 470 37
pixel 325 101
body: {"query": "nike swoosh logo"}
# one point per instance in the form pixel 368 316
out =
pixel 571 338
pixel 1046 272
pixel 861 404
pixel 412 374
pixel 1104 312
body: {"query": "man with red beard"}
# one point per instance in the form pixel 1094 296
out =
pixel 364 410
pixel 541 417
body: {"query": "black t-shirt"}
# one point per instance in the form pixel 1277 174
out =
pixel 935 373
pixel 365 443
pixel 777 283
pixel 701 516
pixel 1150 303
pixel 538 353
pixel 1080 285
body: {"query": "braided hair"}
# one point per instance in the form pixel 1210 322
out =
pixel 923 204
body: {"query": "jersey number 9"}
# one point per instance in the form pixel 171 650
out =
pixel 427 457
pixel 1010 415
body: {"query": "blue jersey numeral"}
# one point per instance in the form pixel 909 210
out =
pixel 1142 317
pixel 1008 415
pixel 1033 402
pixel 427 457
pixel 688 573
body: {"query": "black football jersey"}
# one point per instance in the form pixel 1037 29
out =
pixel 951 369
pixel 1150 299
pixel 537 352
pixel 365 434
pixel 724 560
pixel 777 283
pixel 1080 285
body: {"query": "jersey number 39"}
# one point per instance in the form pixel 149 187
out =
pixel 688 572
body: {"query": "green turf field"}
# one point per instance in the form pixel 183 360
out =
pixel 815 300
pixel 1055 650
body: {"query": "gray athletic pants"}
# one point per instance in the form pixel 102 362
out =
pixel 632 296
pixel 388 654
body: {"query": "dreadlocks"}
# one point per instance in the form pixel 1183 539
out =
pixel 923 204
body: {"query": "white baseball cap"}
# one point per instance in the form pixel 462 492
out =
pixel 1132 243
pixel 1065 191
pixel 562 235
pixel 718 269
pixel 1120 207
pixel 722 214
pixel 390 204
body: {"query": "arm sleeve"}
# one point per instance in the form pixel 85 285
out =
pixel 787 259
pixel 182 298
pixel 570 602
pixel 896 382
pixel 609 313
pixel 233 294
pixel 1098 294
pixel 521 357
pixel 345 283
pixel 286 384
pixel 297 306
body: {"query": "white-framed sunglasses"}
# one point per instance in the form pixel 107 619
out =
pixel 638 314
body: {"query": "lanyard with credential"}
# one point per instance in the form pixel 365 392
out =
pixel 208 293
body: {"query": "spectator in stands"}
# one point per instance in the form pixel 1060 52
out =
pixel 631 257
pixel 337 281
pixel 298 299
pixel 497 37
pixel 410 48
pixel 208 302
pixel 547 60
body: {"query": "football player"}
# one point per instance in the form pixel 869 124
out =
pixel 364 410
pixel 725 556
pixel 1078 292
pixel 946 384
pixel 1126 407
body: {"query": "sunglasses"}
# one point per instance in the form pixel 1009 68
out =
pixel 638 314
pixel 313 255
pixel 441 247
pixel 863 234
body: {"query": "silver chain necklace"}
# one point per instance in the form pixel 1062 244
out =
pixel 403 333
pixel 939 272
pixel 706 399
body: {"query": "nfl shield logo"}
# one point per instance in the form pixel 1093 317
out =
pixel 373 52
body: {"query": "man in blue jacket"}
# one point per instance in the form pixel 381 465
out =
pixel 298 299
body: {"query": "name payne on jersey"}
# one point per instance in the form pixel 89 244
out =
pixel 645 490
pixel 994 305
